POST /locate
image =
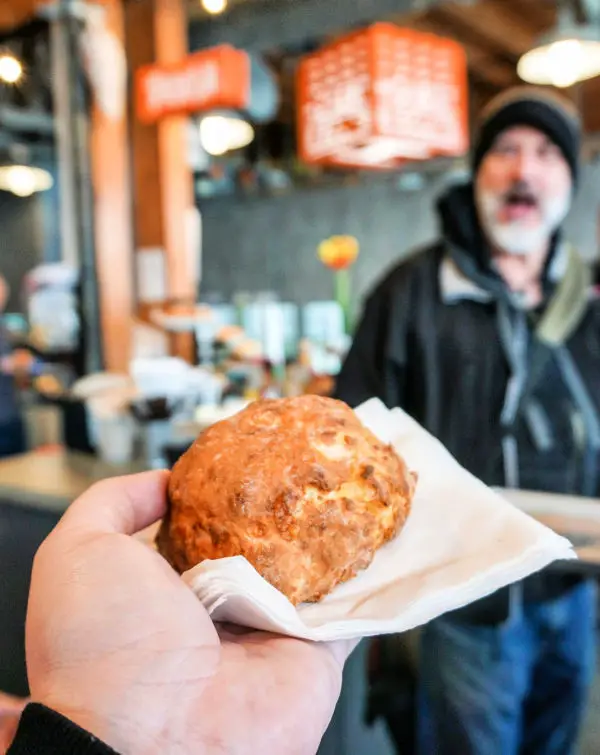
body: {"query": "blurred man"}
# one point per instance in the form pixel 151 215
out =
pixel 490 340
pixel 12 434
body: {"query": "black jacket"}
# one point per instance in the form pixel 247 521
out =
pixel 436 352
pixel 429 343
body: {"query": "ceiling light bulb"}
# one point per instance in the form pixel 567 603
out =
pixel 11 69
pixel 220 134
pixel 23 180
pixel 214 6
pixel 565 62
pixel 561 63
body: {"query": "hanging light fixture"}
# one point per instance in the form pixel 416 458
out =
pixel 214 7
pixel 11 68
pixel 224 132
pixel 225 90
pixel 24 180
pixel 568 54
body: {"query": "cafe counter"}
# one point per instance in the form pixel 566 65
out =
pixel 49 480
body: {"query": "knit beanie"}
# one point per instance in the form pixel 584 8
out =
pixel 540 108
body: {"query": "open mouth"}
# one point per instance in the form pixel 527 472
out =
pixel 520 204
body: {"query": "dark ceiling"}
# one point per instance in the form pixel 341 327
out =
pixel 26 107
pixel 494 34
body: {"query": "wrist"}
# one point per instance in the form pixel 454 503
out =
pixel 42 729
pixel 108 730
pixel 139 734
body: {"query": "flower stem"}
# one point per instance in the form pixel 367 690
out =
pixel 343 295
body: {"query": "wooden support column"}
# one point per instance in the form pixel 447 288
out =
pixel 163 182
pixel 112 219
pixel 170 28
pixel 147 213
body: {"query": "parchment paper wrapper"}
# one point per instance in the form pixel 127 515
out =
pixel 462 542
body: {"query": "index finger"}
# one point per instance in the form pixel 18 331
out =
pixel 123 505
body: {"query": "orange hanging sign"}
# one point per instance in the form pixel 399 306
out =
pixel 383 95
pixel 217 78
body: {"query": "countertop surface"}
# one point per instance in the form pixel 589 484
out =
pixel 577 519
pixel 52 479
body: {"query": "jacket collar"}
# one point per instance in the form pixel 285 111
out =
pixel 456 286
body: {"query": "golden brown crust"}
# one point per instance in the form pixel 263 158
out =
pixel 298 486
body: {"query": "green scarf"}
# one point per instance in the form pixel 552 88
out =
pixel 568 304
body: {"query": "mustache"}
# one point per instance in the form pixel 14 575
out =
pixel 520 193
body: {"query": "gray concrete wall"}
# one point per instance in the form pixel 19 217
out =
pixel 257 244
pixel 271 243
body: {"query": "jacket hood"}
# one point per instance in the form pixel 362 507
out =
pixel 460 224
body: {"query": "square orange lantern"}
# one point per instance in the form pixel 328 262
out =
pixel 383 95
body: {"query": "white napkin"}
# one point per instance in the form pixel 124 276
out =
pixel 461 542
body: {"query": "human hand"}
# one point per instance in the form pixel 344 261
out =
pixel 10 713
pixel 117 643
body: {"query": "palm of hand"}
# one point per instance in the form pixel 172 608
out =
pixel 149 669
pixel 271 695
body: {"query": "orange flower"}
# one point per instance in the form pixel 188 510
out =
pixel 338 252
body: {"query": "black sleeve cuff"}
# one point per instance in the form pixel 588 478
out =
pixel 43 732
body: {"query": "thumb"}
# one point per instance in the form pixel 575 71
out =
pixel 123 505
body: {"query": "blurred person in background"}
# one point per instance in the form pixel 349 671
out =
pixel 12 431
pixel 491 340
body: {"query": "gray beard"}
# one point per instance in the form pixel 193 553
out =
pixel 512 238
pixel 520 242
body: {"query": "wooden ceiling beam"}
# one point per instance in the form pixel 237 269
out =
pixel 482 63
pixel 489 24
pixel 481 92
pixel 535 15
pixel 497 73
pixel 14 13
